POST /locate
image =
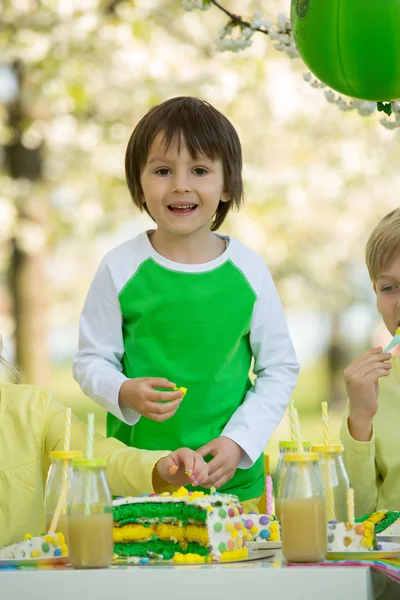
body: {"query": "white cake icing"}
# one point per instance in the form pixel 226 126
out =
pixel 51 545
pixel 347 537
pixel 261 528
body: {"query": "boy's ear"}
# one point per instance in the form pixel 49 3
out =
pixel 374 286
pixel 225 197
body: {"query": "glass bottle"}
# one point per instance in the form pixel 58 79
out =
pixel 285 447
pixel 332 470
pixel 302 510
pixel 61 466
pixel 90 517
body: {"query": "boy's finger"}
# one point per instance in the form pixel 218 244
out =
pixel 160 382
pixel 161 416
pixel 173 469
pixel 184 456
pixel 215 464
pixel 162 409
pixel 206 450
pixel 156 396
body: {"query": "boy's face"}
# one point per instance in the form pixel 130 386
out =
pixel 387 289
pixel 181 194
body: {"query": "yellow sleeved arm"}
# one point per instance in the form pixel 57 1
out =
pixel 359 460
pixel 129 471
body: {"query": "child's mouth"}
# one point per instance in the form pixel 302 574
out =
pixel 182 209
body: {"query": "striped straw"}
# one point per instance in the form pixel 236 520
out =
pixel 67 445
pixel 292 407
pixel 61 500
pixel 268 490
pixel 350 505
pixel 325 423
pixel 89 455
pixel 296 429
pixel 330 499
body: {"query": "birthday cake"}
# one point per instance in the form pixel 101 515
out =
pixel 183 526
pixel 51 545
pixel 351 537
pixel 261 528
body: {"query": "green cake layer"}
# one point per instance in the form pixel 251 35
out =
pixel 158 512
pixel 159 547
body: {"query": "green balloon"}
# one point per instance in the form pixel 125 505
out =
pixel 353 46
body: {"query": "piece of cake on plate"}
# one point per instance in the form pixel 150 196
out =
pixel 351 537
pixel 261 528
pixel 385 521
pixel 183 526
pixel 49 545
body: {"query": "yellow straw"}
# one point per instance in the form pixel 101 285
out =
pixel 60 503
pixel 296 429
pixel 89 455
pixel 350 505
pixel 292 407
pixel 330 505
pixel 67 445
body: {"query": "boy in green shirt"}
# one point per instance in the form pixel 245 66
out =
pixel 370 434
pixel 182 305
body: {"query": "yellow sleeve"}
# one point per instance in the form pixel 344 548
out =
pixel 359 460
pixel 129 471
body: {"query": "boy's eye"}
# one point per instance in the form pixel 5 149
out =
pixel 388 288
pixel 200 171
pixel 163 171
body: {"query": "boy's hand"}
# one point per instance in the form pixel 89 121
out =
pixel 227 456
pixel 182 467
pixel 361 378
pixel 140 395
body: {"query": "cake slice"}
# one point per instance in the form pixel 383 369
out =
pixel 183 526
pixel 50 545
pixel 261 528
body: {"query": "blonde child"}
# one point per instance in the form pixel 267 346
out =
pixel 32 425
pixel 370 433
pixel 180 305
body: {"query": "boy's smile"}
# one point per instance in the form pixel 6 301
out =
pixel 387 288
pixel 182 193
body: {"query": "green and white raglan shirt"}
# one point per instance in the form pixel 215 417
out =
pixel 199 326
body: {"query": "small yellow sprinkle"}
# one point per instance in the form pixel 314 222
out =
pixel 27 536
pixel 189 472
pixel 35 553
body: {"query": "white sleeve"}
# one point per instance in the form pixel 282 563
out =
pixel 276 369
pixel 97 365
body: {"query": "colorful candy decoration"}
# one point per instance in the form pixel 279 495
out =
pixel 351 45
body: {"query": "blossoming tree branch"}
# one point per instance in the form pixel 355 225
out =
pixel 237 34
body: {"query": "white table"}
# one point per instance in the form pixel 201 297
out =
pixel 261 580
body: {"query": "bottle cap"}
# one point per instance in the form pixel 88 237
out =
pixel 301 457
pixel 62 455
pixel 89 462
pixel 321 449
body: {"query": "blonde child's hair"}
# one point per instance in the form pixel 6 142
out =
pixel 383 244
pixel 14 371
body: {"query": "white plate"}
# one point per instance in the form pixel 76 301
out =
pixel 264 545
pixel 32 562
pixel 253 555
pixel 389 550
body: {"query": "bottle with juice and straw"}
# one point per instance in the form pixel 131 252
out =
pixel 301 506
pixel 333 473
pixel 90 518
pixel 59 481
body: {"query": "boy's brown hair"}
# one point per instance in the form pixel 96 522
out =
pixel 383 244
pixel 204 130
